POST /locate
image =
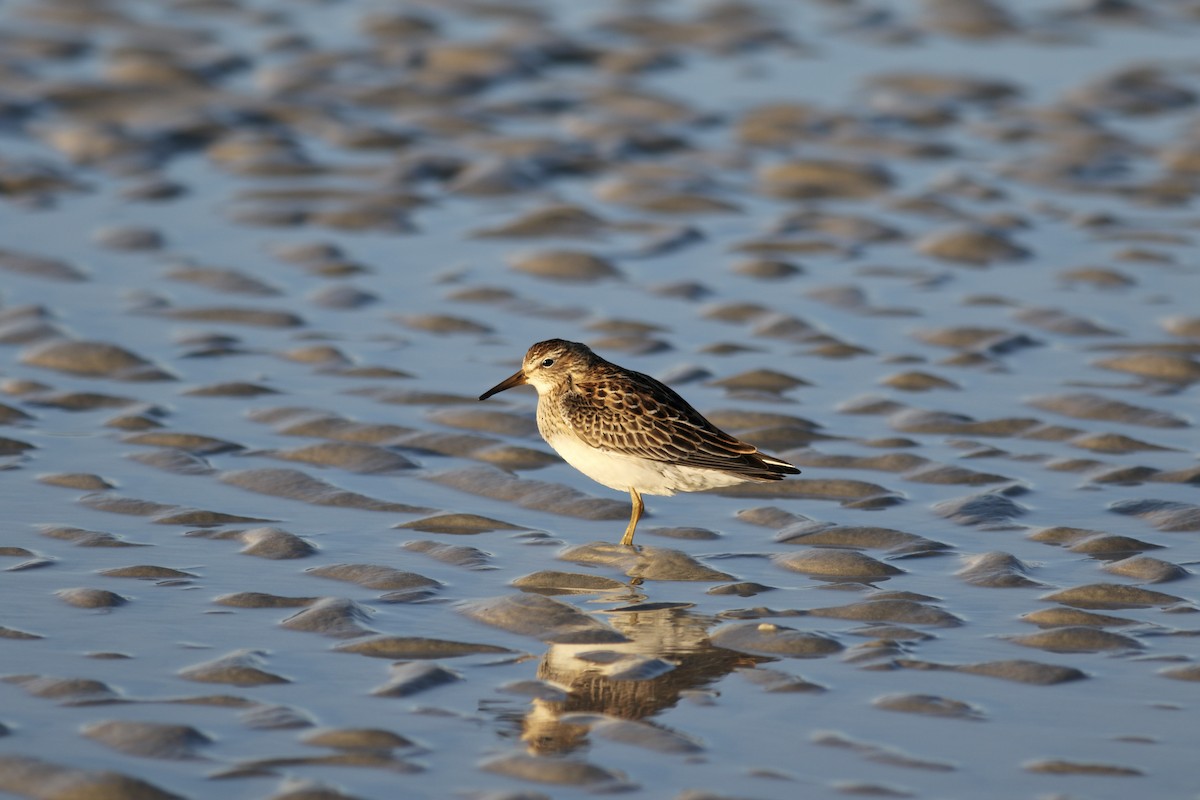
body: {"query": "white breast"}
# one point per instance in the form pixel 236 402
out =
pixel 617 471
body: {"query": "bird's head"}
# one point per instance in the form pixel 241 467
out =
pixel 547 364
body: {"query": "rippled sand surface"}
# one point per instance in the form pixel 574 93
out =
pixel 258 259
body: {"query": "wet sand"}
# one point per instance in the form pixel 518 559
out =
pixel 259 259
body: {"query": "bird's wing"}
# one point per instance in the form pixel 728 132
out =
pixel 638 416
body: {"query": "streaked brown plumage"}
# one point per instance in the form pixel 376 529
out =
pixel 629 431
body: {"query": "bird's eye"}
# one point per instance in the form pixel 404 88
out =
pixel 547 362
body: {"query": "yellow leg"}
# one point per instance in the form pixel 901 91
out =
pixel 634 516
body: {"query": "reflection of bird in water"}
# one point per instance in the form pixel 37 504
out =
pixel 668 653
pixel 627 431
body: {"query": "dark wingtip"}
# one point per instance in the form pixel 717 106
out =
pixel 779 474
pixel 778 466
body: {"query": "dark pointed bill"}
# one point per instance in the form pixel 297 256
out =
pixel 513 380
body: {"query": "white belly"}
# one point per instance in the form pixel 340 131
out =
pixel 617 471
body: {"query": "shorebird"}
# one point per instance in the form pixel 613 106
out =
pixel 630 432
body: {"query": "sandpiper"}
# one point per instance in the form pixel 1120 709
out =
pixel 630 432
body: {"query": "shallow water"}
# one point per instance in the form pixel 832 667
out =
pixel 677 673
